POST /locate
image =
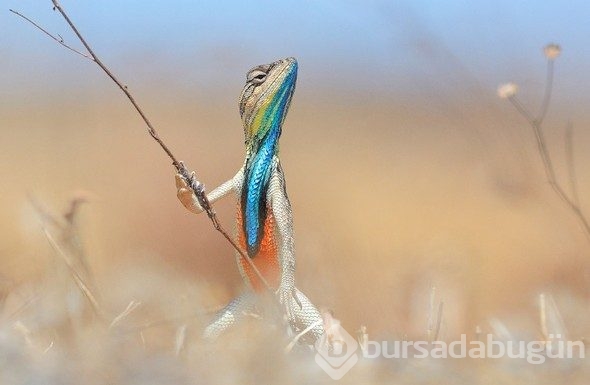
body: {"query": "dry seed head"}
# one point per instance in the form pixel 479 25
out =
pixel 507 90
pixel 552 51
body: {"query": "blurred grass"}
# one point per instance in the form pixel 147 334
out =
pixel 389 199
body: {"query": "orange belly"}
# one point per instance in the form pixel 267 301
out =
pixel 266 260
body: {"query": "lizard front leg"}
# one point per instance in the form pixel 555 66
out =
pixel 189 200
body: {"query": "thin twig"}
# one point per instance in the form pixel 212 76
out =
pixel 548 165
pixel 547 93
pixel 197 187
pixel 28 303
pixel 434 324
pixel 59 39
pixel 68 237
pixel 66 226
pixel 539 137
pixel 438 320
pixel 128 310
pixel 77 278
pixel 151 130
pixel 44 214
pixel 543 316
pixel 430 320
pixel 179 339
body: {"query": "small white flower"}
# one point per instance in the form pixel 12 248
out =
pixel 507 90
pixel 552 51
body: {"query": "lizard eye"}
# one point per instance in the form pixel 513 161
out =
pixel 256 76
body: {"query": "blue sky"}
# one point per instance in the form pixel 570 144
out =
pixel 371 45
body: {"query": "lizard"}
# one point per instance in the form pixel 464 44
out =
pixel 264 224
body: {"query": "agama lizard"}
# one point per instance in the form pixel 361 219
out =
pixel 264 217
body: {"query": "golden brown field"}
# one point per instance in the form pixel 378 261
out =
pixel 388 201
pixel 398 201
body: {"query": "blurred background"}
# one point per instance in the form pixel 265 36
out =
pixel 404 169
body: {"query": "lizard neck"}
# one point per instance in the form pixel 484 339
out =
pixel 257 175
pixel 263 106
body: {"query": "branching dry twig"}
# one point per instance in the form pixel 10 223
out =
pixel 508 91
pixel 197 187
pixel 58 39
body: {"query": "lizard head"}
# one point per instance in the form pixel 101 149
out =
pixel 265 99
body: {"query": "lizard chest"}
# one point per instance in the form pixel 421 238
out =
pixel 266 258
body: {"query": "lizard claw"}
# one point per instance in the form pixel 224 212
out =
pixel 180 181
pixel 185 193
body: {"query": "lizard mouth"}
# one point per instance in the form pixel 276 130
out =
pixel 287 64
pixel 285 68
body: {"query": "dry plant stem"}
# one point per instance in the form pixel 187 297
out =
pixel 543 316
pixel 539 137
pixel 548 166
pixel 434 324
pixel 28 303
pixel 128 310
pixel 151 130
pixel 57 39
pixel 77 278
pixel 438 321
pixel 195 185
pixel 547 93
pixel 44 215
pixel 180 339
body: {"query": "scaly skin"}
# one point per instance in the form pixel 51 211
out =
pixel 264 217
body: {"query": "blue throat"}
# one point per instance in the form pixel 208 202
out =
pixel 257 172
pixel 258 167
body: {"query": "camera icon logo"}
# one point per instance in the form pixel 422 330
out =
pixel 336 352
